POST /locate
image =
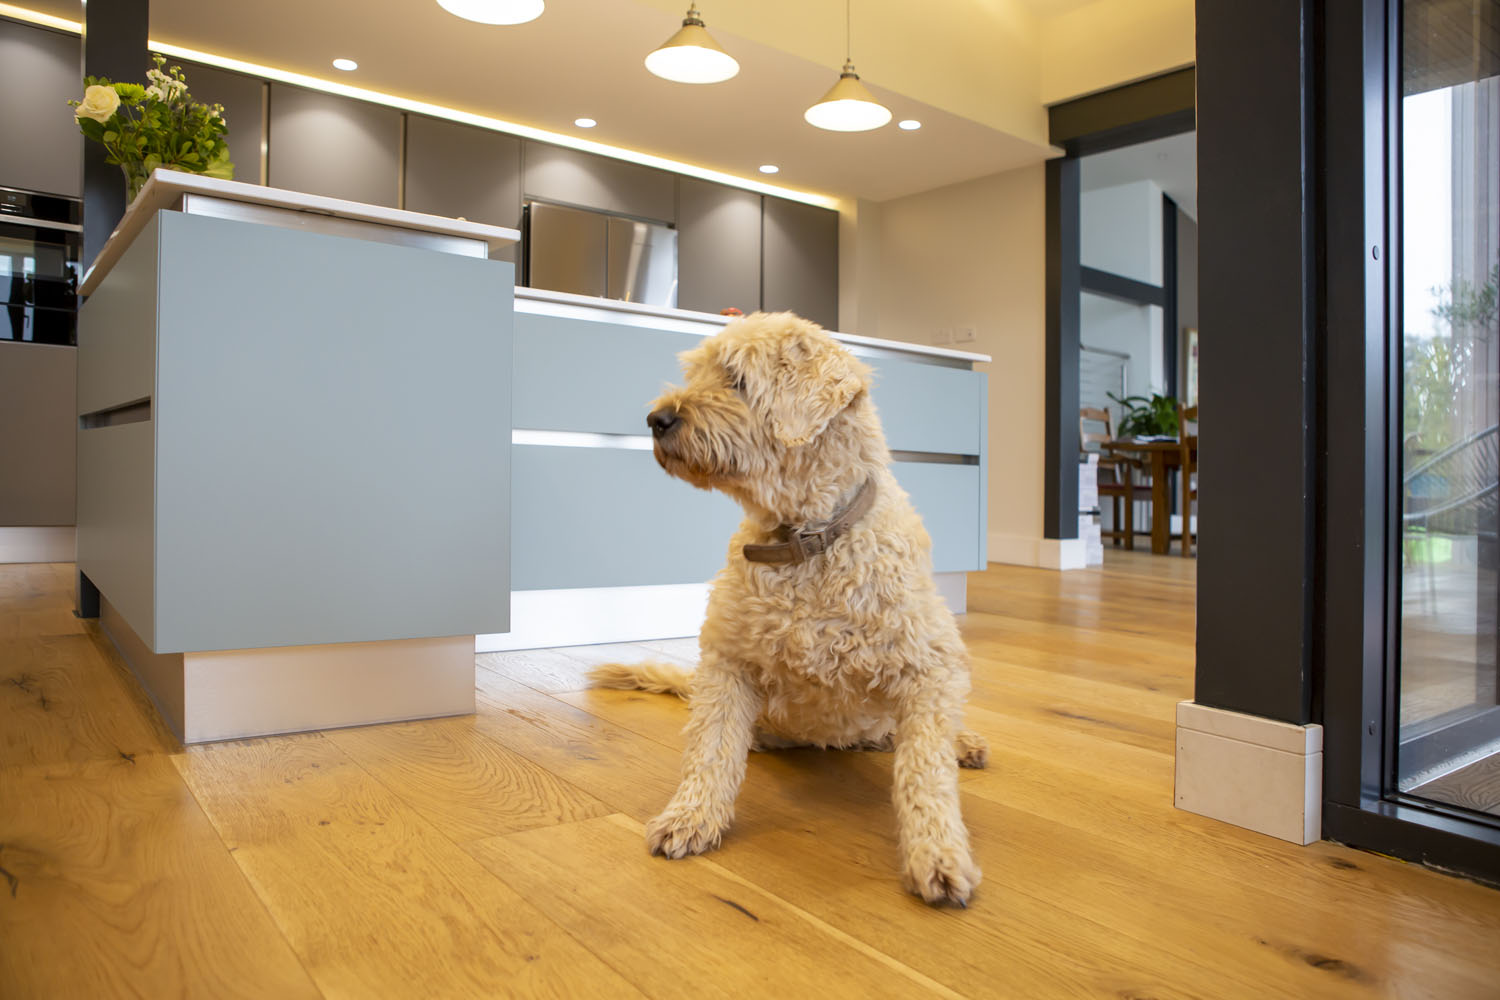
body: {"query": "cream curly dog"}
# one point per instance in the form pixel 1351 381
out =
pixel 848 647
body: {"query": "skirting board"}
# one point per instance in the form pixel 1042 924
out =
pixel 39 545
pixel 1257 773
pixel 1046 553
pixel 544 618
pixel 236 693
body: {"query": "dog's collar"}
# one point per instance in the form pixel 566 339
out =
pixel 801 544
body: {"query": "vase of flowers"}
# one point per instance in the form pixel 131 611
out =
pixel 156 125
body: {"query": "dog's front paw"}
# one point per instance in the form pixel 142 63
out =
pixel 941 875
pixel 681 831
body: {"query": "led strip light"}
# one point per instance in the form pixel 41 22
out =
pixel 438 111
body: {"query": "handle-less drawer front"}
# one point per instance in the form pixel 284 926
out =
pixel 117 330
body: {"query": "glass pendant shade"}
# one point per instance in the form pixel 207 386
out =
pixel 692 56
pixel 495 11
pixel 848 107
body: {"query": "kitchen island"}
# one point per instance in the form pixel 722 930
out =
pixel 293 471
pixel 608 548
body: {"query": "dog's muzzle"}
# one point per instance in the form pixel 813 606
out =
pixel 662 422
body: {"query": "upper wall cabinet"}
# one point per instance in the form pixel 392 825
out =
pixel 334 146
pixel 800 260
pixel 556 173
pixel 718 247
pixel 459 171
pixel 243 98
pixel 42 149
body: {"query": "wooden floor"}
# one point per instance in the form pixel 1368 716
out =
pixel 502 854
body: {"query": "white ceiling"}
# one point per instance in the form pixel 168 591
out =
pixel 584 58
pixel 1171 162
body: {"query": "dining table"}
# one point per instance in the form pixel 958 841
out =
pixel 1162 455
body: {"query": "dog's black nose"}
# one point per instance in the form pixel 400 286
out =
pixel 662 421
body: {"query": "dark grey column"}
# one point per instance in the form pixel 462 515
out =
pixel 1063 269
pixel 1258 282
pixel 114 45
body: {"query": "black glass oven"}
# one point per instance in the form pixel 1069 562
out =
pixel 40 244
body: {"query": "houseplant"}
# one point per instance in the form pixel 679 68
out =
pixel 157 125
pixel 1153 417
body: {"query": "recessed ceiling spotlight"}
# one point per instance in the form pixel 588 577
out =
pixel 347 65
pixel 495 11
pixel 909 124
pixel 584 122
pixel 769 168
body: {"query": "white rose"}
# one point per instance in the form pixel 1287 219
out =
pixel 98 103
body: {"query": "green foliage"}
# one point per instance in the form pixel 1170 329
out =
pixel 1155 416
pixel 159 125
pixel 1468 304
pixel 1439 370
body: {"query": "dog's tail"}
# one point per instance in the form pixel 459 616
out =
pixel 649 675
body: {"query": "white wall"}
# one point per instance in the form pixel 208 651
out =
pixel 972 254
pixel 1098 45
pixel 1121 229
pixel 1112 325
pixel 1121 232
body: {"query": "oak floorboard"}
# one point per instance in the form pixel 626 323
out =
pixel 717 930
pixel 435 858
pixel 373 899
pixel 116 886
pixel 544 669
pixel 817 828
pixel 68 697
pixel 629 774
pixel 465 783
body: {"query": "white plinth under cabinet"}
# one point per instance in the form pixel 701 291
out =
pixel 293 478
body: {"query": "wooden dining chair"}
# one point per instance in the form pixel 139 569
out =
pixel 1188 443
pixel 1116 474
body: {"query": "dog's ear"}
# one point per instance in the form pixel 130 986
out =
pixel 815 379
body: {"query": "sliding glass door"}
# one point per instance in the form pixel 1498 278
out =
pixel 1449 604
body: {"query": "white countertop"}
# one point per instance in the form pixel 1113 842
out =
pixel 166 187
pixel 541 300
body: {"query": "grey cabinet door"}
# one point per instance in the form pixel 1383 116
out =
pixel 572 177
pixel 718 247
pixel 243 98
pixel 459 171
pixel 39 72
pixel 334 146
pixel 800 261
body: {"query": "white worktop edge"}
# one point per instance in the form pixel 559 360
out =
pixel 691 321
pixel 164 187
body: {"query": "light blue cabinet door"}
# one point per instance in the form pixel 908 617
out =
pixel 579 375
pixel 950 501
pixel 332 452
pixel 610 517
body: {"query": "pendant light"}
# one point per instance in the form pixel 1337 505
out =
pixel 848 106
pixel 691 55
pixel 495 11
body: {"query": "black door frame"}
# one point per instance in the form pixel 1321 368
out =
pixel 1361 473
pixel 1154 108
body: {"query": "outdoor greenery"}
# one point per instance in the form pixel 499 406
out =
pixel 1440 369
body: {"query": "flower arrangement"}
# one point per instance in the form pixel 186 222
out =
pixel 158 125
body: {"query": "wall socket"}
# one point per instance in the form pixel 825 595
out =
pixel 963 335
pixel 943 336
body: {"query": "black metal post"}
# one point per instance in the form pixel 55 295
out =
pixel 114 45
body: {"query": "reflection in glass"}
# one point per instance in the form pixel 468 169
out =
pixel 1450 261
